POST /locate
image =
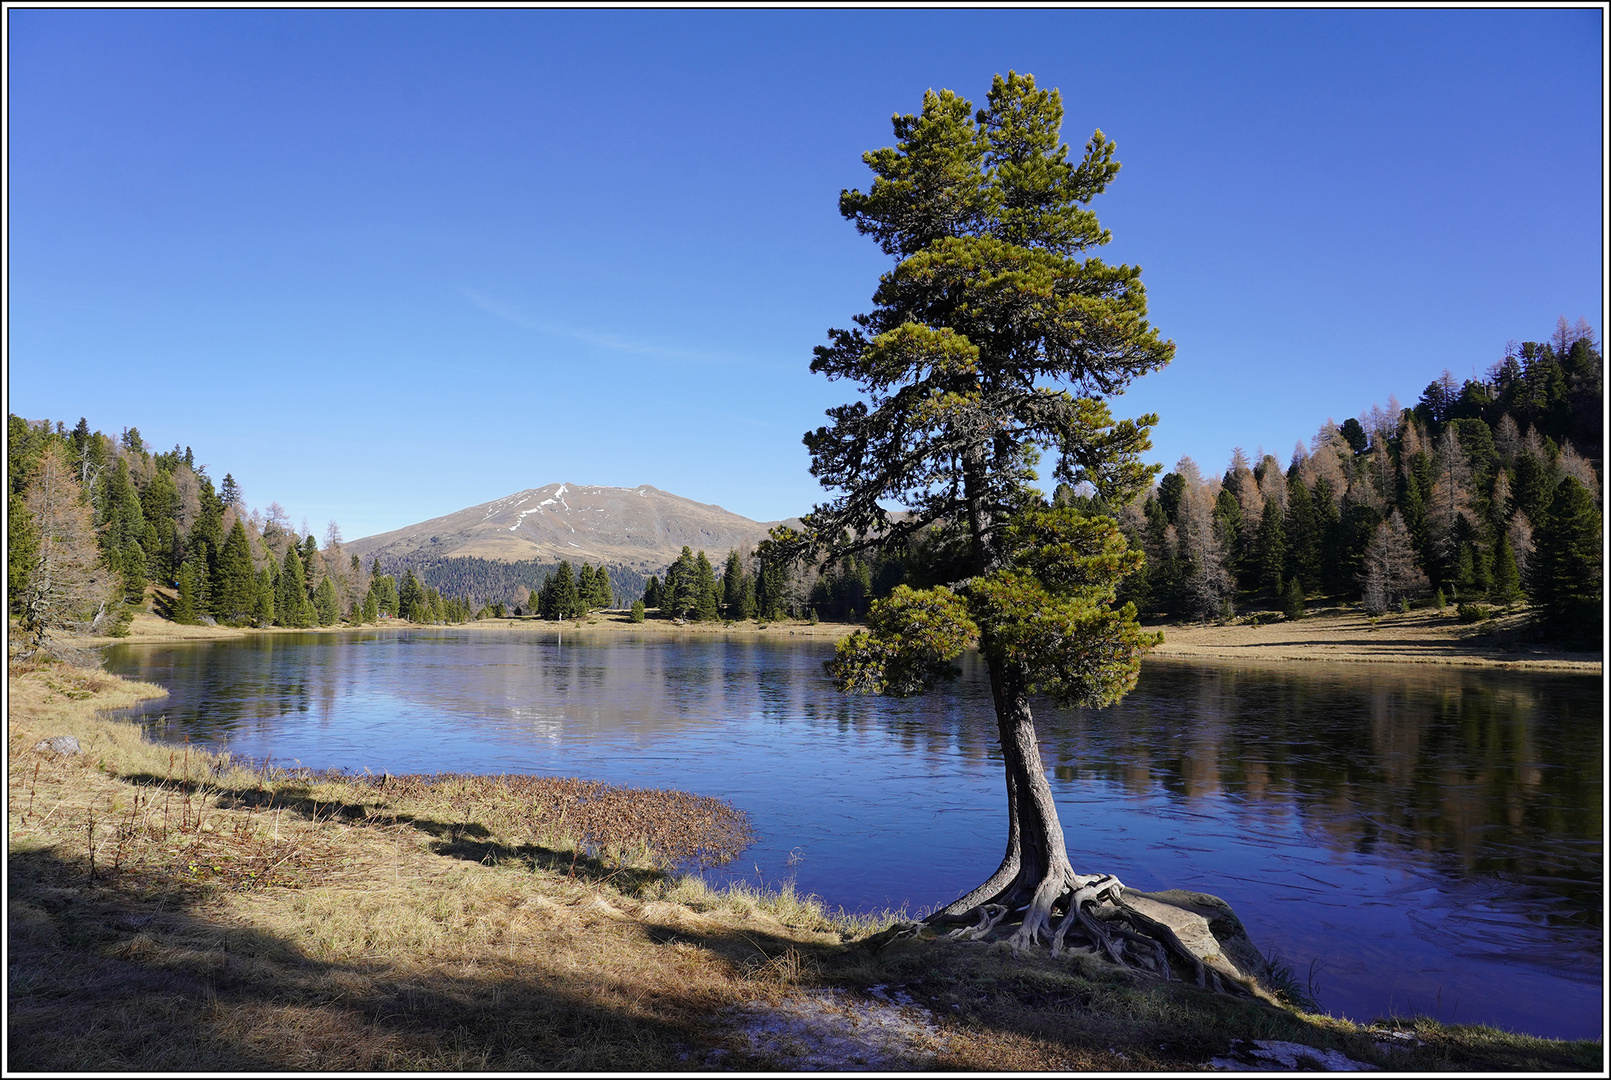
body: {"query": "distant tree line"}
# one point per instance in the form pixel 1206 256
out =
pixel 1487 490
pixel 507 587
pixel 112 517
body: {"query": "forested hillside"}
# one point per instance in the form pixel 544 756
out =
pixel 486 581
pixel 1484 493
pixel 1487 490
pixel 94 521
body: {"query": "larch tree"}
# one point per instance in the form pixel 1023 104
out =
pixel 995 336
pixel 66 586
pixel 1391 573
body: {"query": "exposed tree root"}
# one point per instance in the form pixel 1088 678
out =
pixel 1081 913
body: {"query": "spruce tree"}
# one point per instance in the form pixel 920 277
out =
pixel 411 598
pixel 678 595
pixel 1506 586
pixel 290 596
pixel 1565 568
pixel 326 603
pixel 706 599
pixel 1292 599
pixel 603 591
pixel 185 608
pixel 262 610
pixel 1302 535
pixel 733 585
pixel 22 547
pixel 234 586
pixel 1272 547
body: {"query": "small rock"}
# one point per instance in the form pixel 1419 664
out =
pixel 65 745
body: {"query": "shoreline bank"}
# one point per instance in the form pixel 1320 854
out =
pixel 1343 635
pixel 1333 635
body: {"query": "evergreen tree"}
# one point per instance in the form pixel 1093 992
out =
pixel 637 611
pixel 411 597
pixel 326 603
pixel 262 610
pixel 158 504
pixel 991 300
pixel 234 587
pixel 651 592
pixel 1333 568
pixel 185 607
pixel 385 587
pixel 22 548
pixel 733 585
pixel 603 592
pixel 290 594
pixel 706 598
pixel 1302 535
pixel 1272 547
pixel 1506 587
pixel 1565 570
pixel 679 596
pixel 584 587
pixel 122 530
pixel 1292 599
pixel 746 600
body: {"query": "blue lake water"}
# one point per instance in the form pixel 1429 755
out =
pixel 1418 839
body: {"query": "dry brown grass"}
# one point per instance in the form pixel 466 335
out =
pixel 1346 634
pixel 170 910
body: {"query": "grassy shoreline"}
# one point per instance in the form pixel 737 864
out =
pixel 1329 635
pixel 171 910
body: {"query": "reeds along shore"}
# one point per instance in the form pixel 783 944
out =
pixel 171 909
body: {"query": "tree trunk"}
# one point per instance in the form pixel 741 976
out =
pixel 1035 877
pixel 1035 870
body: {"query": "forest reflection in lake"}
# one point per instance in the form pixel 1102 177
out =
pixel 1429 837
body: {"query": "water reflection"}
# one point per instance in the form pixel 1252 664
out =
pixel 1432 836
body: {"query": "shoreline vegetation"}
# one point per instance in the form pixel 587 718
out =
pixel 1340 634
pixel 170 909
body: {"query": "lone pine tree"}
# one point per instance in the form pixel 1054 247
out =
pixel 995 336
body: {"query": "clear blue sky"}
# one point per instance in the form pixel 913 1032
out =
pixel 383 265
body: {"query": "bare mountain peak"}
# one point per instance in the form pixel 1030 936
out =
pixel 642 527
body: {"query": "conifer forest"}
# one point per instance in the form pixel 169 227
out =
pixel 1484 494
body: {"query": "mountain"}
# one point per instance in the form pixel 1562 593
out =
pixel 641 529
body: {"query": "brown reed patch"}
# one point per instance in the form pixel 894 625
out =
pixel 675 826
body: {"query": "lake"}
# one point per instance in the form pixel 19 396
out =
pixel 1413 838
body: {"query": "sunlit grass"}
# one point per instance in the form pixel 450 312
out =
pixel 175 909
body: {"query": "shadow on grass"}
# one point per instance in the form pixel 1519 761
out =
pixel 107 975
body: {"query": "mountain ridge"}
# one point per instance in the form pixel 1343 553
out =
pixel 641 528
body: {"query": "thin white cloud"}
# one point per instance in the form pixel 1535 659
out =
pixel 614 342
